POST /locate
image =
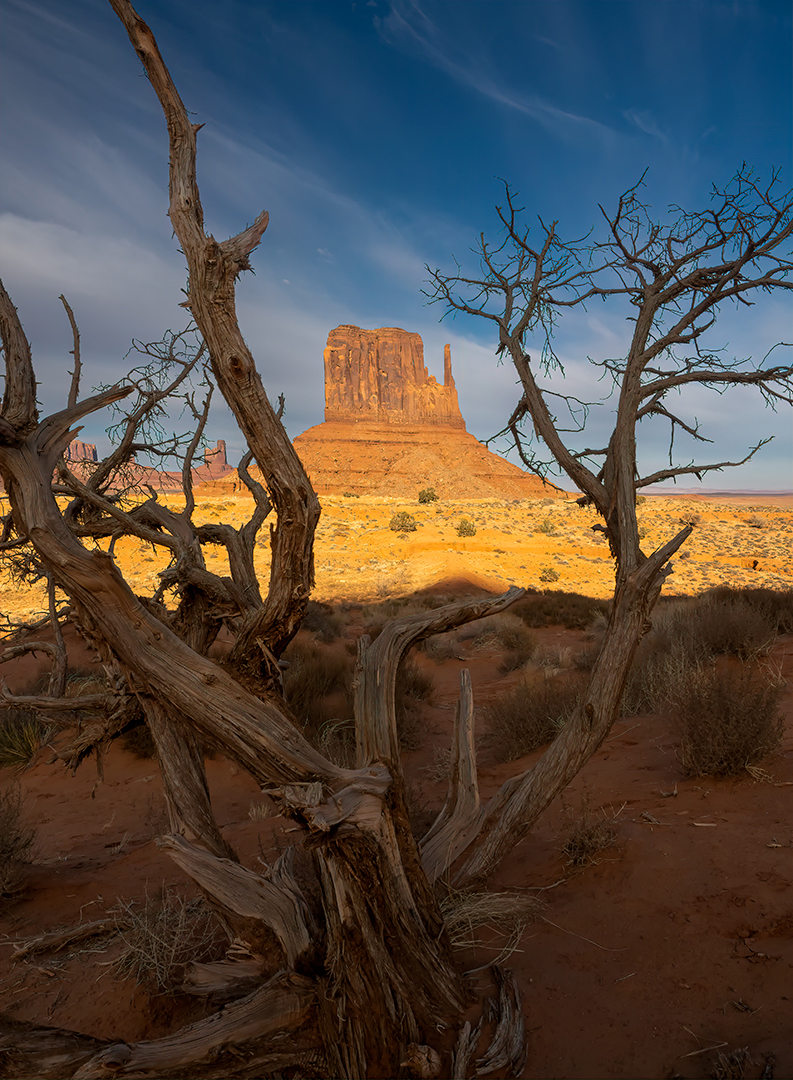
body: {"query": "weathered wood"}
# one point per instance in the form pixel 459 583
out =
pixel 184 779
pixel 257 907
pixel 464 1050
pixel 376 727
pixel 508 1047
pixel 461 815
pixel 42 1053
pixel 282 1003
pixel 56 940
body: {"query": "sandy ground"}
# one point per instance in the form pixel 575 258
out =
pixel 739 540
pixel 675 945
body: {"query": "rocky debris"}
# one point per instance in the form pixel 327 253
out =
pixel 378 376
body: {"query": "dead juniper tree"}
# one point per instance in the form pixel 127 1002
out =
pixel 354 974
pixel 676 277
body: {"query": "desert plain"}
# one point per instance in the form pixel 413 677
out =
pixel 668 948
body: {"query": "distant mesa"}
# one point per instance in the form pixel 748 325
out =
pixel 81 451
pixel 379 376
pixel 392 429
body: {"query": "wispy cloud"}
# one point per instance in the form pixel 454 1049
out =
pixel 407 24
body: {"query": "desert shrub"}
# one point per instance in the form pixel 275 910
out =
pixel 687 634
pixel 549 574
pixel 556 608
pixel 586 834
pixel 546 526
pixel 466 527
pixel 754 521
pixel 322 621
pixel 402 522
pixel 16 842
pixel 441 646
pixel 776 605
pixel 21 735
pixel 428 495
pixel 163 937
pixel 349 495
pixel 688 518
pixel 505 630
pixel 314 676
pixel 735 1064
pixel 640 499
pixel 728 718
pixel 530 714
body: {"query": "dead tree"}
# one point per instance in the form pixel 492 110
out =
pixel 339 979
pixel 672 279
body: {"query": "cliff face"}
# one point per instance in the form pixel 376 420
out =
pixel 378 376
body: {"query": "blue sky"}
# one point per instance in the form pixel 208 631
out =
pixel 375 133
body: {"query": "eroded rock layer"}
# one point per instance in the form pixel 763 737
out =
pixel 379 376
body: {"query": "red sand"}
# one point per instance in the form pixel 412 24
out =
pixel 677 943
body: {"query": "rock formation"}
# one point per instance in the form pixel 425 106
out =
pixel 379 376
pixel 392 429
pixel 216 455
pixel 80 451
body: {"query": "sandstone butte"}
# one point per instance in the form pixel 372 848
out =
pixel 392 429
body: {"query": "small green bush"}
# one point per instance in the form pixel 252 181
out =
pixel 547 527
pixel 466 527
pixel 350 495
pixel 549 574
pixel 402 522
pixel 728 718
pixel 428 495
pixel 16 843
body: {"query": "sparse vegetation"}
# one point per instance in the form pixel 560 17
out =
pixel 403 522
pixel 530 714
pixel 587 833
pixel 16 842
pixel 163 937
pixel 428 495
pixel 549 574
pixel 21 735
pixel 546 526
pixel 317 685
pixel 322 621
pixel 466 527
pixel 556 608
pixel 728 718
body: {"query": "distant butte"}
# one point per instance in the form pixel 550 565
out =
pixel 392 429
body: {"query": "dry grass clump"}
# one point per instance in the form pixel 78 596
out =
pixel 690 633
pixel 504 631
pixel 16 842
pixel 776 605
pixel 21 735
pixel 442 646
pixel 553 607
pixel 530 714
pixel 163 937
pixel 506 913
pixel 733 1066
pixel 587 833
pixel 728 718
